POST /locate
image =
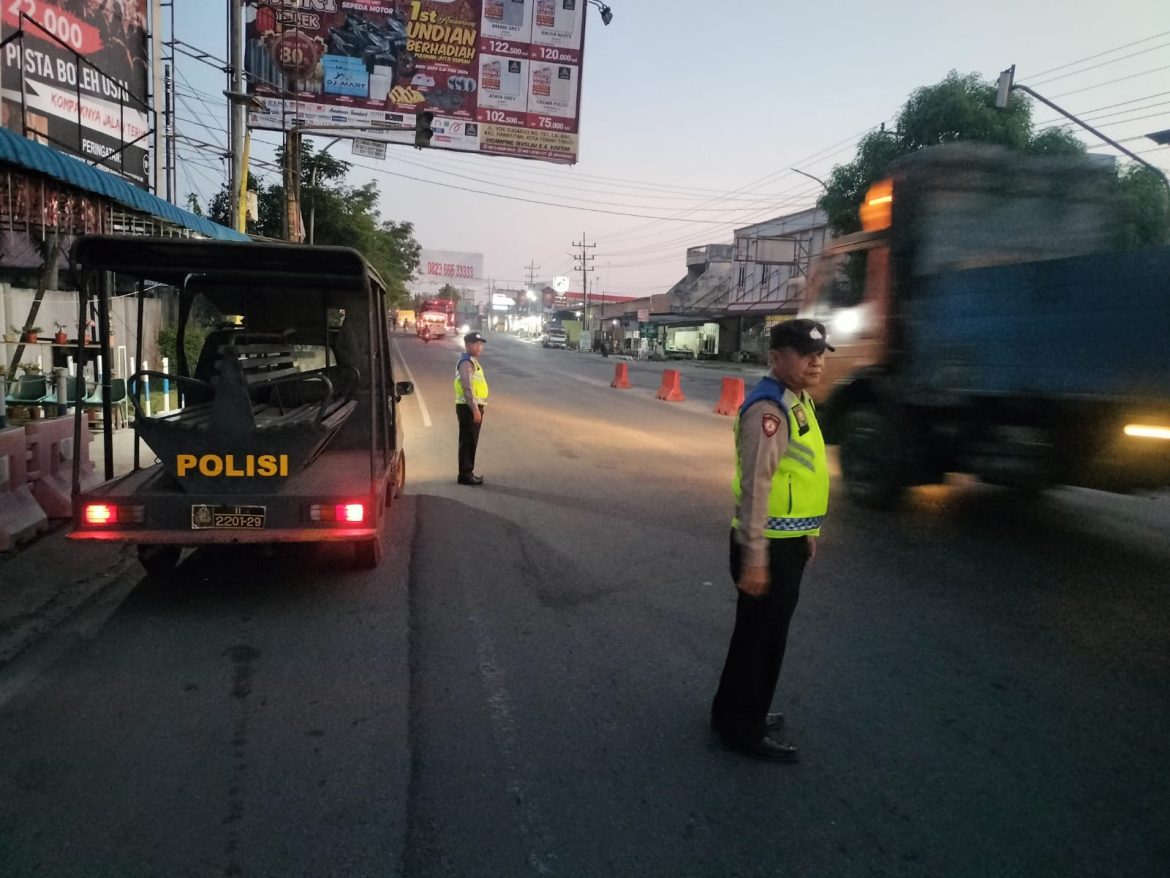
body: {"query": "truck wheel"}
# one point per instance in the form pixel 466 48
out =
pixel 870 458
pixel 368 553
pixel 159 561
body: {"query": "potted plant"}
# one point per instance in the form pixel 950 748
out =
pixel 60 337
pixel 83 331
pixel 12 335
pixel 30 334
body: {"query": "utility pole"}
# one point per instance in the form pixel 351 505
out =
pixel 294 227
pixel 585 259
pixel 530 294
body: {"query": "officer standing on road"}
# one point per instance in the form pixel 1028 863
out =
pixel 781 492
pixel 471 393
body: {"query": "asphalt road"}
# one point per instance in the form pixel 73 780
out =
pixel 979 684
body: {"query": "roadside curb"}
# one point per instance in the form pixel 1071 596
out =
pixel 40 593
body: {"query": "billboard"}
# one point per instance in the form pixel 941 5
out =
pixel 502 77
pixel 74 76
pixel 449 266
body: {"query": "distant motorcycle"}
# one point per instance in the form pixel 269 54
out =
pixel 425 335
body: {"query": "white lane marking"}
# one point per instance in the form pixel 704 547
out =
pixel 422 406
pixel 533 829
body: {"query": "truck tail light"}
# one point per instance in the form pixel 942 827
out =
pixel 349 513
pixel 100 513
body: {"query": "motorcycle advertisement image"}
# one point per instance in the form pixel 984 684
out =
pixel 349 53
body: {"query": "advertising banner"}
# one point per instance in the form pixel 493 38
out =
pixel 449 265
pixel 502 77
pixel 75 77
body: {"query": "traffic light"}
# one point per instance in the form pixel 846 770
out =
pixel 422 129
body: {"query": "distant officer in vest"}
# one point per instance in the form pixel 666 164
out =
pixel 471 394
pixel 781 492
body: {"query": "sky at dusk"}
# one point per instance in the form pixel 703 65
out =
pixel 693 116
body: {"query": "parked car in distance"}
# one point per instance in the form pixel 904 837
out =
pixel 554 337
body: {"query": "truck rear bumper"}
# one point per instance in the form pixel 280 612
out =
pixel 146 507
pixel 178 537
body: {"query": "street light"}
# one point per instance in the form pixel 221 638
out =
pixel 811 177
pixel 313 186
pixel 1007 84
pixel 606 12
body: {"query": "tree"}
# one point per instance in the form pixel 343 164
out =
pixel 341 215
pixel 848 183
pixel 446 291
pixel 958 108
pixel 1055 142
pixel 1145 207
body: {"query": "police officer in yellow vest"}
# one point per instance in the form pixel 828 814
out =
pixel 471 394
pixel 781 492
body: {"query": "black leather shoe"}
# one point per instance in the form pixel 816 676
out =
pixel 772 722
pixel 471 480
pixel 765 748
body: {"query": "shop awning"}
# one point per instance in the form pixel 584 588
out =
pixel 32 156
pixel 681 319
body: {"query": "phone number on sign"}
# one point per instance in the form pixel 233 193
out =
pixel 449 269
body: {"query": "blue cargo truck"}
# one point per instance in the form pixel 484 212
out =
pixel 986 323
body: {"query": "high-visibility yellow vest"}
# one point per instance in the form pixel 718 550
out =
pixel 799 496
pixel 479 387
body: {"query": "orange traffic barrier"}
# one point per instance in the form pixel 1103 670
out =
pixel 730 397
pixel 621 376
pixel 670 389
pixel 20 516
pixel 50 446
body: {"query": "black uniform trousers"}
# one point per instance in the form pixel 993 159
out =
pixel 468 438
pixel 758 641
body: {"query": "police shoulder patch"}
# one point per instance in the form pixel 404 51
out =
pixel 771 424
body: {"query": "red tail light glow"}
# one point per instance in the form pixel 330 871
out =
pixel 100 513
pixel 341 513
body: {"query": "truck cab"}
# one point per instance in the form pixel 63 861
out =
pixel 962 316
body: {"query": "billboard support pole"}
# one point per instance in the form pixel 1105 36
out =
pixel 158 164
pixel 236 110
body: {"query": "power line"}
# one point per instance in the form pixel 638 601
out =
pixel 531 200
pixel 1095 66
pixel 1112 81
pixel 1102 54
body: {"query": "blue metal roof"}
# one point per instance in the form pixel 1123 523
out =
pixel 34 156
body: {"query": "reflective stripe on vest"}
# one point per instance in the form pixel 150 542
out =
pixel 479 386
pixel 799 495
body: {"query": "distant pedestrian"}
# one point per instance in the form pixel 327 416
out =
pixel 781 493
pixel 471 393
